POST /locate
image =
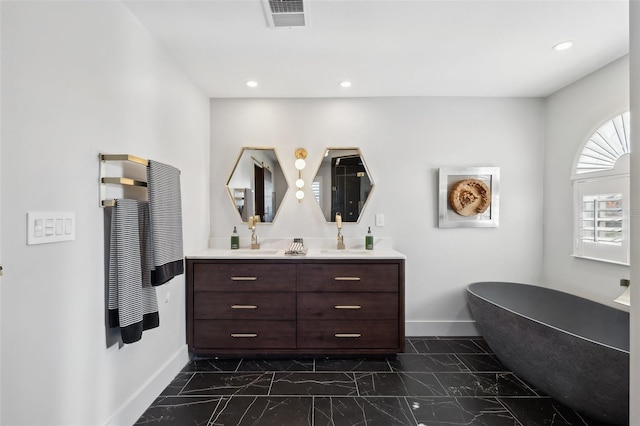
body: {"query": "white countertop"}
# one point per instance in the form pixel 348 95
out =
pixel 312 253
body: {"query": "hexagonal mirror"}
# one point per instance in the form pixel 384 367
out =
pixel 342 184
pixel 257 185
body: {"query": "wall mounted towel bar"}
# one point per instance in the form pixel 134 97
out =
pixel 118 180
pixel 123 181
pixel 124 157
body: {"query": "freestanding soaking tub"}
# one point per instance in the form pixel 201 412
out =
pixel 573 349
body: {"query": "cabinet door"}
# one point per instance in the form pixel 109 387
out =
pixel 355 277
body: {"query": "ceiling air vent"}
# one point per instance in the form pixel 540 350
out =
pixel 286 13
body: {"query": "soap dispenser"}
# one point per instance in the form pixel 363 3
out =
pixel 235 239
pixel 368 240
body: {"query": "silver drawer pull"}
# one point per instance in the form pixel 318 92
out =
pixel 352 335
pixel 244 278
pixel 347 278
pixel 347 307
pixel 243 335
pixel 244 306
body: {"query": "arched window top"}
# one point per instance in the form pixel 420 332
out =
pixel 601 151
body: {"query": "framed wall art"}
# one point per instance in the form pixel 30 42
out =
pixel 468 197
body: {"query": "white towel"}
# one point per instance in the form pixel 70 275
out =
pixel 165 213
pixel 132 304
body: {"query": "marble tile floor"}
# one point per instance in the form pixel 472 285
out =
pixel 437 381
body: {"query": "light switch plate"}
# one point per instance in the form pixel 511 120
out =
pixel 50 227
pixel 379 219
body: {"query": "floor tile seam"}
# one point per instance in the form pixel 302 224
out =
pixel 412 345
pixel 355 381
pixel 215 410
pixel 484 351
pixel 299 371
pixel 274 371
pixel 441 371
pixel 228 398
pixel 408 407
pixel 221 397
pixel 507 373
pixel 313 409
pixel 473 373
pixel 440 383
pixel 523 397
pixel 273 378
pixel 392 370
pixel 389 364
pixel 446 353
pixel 513 414
pixel 526 385
pixel 478 337
pixel 461 361
pixel 186 383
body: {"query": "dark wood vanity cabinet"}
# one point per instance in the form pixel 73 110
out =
pixel 298 306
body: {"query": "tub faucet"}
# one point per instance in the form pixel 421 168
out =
pixel 625 297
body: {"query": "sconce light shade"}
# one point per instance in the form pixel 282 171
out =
pixel 301 154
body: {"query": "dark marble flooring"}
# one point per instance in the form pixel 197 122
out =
pixel 438 381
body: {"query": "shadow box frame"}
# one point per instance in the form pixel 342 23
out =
pixel 449 176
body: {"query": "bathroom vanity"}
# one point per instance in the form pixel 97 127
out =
pixel 327 302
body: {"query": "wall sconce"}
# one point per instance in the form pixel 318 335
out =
pixel 301 154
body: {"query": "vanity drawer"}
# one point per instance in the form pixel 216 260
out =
pixel 239 334
pixel 356 277
pixel 348 306
pixel 244 277
pixel 244 305
pixel 347 334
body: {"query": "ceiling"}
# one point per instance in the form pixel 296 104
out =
pixel 389 47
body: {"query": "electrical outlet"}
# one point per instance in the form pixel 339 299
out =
pixel 379 219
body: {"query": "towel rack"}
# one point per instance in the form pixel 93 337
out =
pixel 124 157
pixel 118 180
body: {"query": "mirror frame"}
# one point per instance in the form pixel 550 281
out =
pixel 235 167
pixel 366 167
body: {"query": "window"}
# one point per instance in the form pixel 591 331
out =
pixel 601 189
pixel 315 187
pixel 602 218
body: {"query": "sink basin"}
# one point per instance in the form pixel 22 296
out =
pixel 346 252
pixel 250 252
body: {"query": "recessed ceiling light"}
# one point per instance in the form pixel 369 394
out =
pixel 252 83
pixel 345 84
pixel 564 45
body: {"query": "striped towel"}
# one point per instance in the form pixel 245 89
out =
pixel 132 304
pixel 165 213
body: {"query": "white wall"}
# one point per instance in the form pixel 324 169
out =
pixel 80 78
pixel 634 17
pixel 404 141
pixel 572 115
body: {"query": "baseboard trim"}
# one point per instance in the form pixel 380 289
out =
pixel 441 328
pixel 137 404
